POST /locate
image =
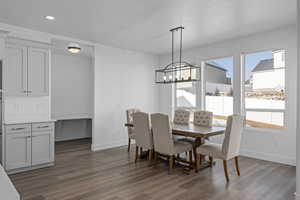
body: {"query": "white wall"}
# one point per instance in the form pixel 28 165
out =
pixel 71 94
pixel 71 86
pixel 122 79
pixel 278 146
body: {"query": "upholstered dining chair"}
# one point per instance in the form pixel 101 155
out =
pixel 230 147
pixel 203 118
pixel 181 116
pixel 143 133
pixel 163 140
pixel 130 130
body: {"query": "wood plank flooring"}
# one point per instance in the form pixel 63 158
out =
pixel 113 175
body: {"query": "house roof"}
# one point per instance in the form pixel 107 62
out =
pixel 264 65
pixel 215 65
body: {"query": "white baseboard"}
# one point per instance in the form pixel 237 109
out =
pixel 269 157
pixel 97 147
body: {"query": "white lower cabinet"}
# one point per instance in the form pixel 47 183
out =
pixel 28 145
pixel 42 144
pixel 18 150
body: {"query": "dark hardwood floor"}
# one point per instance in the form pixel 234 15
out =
pixel 113 175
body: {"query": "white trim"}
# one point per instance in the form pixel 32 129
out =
pixel 269 157
pixel 35 35
pixel 98 147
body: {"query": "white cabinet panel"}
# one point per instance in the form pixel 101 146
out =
pixel 42 147
pixel 29 145
pixel 15 70
pixel 26 71
pixel 38 71
pixel 18 150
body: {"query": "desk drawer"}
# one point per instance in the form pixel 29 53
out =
pixel 45 126
pixel 18 128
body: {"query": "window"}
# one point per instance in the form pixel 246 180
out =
pixel 186 91
pixel 264 87
pixel 218 75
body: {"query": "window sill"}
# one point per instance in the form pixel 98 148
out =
pixel 265 130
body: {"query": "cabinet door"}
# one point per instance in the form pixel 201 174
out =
pixel 15 70
pixel 42 147
pixel 38 72
pixel 18 150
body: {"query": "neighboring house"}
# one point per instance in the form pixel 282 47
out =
pixel 216 79
pixel 216 74
pixel 269 68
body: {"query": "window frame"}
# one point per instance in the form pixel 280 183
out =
pixel 243 99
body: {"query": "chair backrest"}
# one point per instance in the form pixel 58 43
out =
pixel 129 114
pixel 162 133
pixel 142 130
pixel 181 116
pixel 203 118
pixel 233 132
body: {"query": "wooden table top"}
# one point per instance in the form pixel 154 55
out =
pixel 192 130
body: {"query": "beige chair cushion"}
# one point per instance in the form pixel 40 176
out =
pixel 129 114
pixel 163 138
pixel 231 144
pixel 203 118
pixel 181 116
pixel 211 149
pixel 233 134
pixel 181 146
pixel 142 130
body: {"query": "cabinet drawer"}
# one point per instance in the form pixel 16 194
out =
pixel 42 126
pixel 18 128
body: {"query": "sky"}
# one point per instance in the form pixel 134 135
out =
pixel 251 60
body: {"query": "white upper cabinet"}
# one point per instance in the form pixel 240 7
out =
pixel 15 76
pixel 26 70
pixel 38 71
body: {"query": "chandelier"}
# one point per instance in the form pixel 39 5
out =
pixel 177 71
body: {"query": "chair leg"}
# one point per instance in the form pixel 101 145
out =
pixel 197 162
pixel 136 153
pixel 141 151
pixel 211 161
pixel 155 158
pixel 225 170
pixel 236 159
pixel 150 155
pixel 190 156
pixel 200 159
pixel 171 162
pixel 129 142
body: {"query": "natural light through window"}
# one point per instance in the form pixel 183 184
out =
pixel 186 91
pixel 218 89
pixel 265 89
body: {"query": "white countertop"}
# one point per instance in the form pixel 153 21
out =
pixel 28 121
pixel 7 189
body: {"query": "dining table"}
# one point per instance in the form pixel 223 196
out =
pixel 195 134
pixel 198 135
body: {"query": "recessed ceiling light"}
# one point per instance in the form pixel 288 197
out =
pixel 49 17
